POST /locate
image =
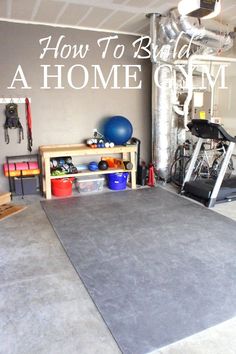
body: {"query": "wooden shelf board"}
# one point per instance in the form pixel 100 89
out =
pixel 91 173
pixel 82 150
pixel 5 198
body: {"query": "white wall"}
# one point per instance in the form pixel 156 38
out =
pixel 226 101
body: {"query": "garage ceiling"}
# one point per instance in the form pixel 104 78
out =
pixel 112 15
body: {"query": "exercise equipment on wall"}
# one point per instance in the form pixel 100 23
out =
pixel 12 121
pixel 210 190
pixel 29 124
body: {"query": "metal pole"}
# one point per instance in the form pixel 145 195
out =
pixel 221 175
pixel 193 162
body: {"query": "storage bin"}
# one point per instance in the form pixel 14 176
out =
pixel 89 184
pixel 62 187
pixel 117 181
pixel 29 185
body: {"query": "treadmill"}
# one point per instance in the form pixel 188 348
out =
pixel 210 191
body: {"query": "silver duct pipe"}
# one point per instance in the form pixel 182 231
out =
pixel 213 40
pixel 163 121
pixel 165 31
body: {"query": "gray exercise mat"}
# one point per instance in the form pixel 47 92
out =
pixel 158 267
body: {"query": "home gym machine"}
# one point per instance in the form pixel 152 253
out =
pixel 210 191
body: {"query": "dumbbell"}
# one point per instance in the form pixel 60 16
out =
pixel 128 165
pixel 111 145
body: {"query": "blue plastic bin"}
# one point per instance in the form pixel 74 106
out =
pixel 117 181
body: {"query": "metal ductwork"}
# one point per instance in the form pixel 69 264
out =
pixel 165 31
pixel 213 40
pixel 161 109
pixel 161 122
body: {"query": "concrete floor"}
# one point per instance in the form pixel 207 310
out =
pixel 44 307
pixel 226 209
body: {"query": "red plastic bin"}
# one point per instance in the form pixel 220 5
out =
pixel 62 187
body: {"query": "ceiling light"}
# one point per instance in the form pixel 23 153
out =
pixel 199 8
pixel 216 12
pixel 185 6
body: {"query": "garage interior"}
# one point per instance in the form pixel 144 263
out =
pixel 118 183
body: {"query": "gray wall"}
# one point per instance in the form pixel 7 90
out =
pixel 67 116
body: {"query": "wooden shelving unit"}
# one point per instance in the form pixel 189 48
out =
pixel 47 152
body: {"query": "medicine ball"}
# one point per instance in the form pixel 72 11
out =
pixel 103 165
pixel 118 129
pixel 93 166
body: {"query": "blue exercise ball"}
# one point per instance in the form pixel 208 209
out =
pixel 118 130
